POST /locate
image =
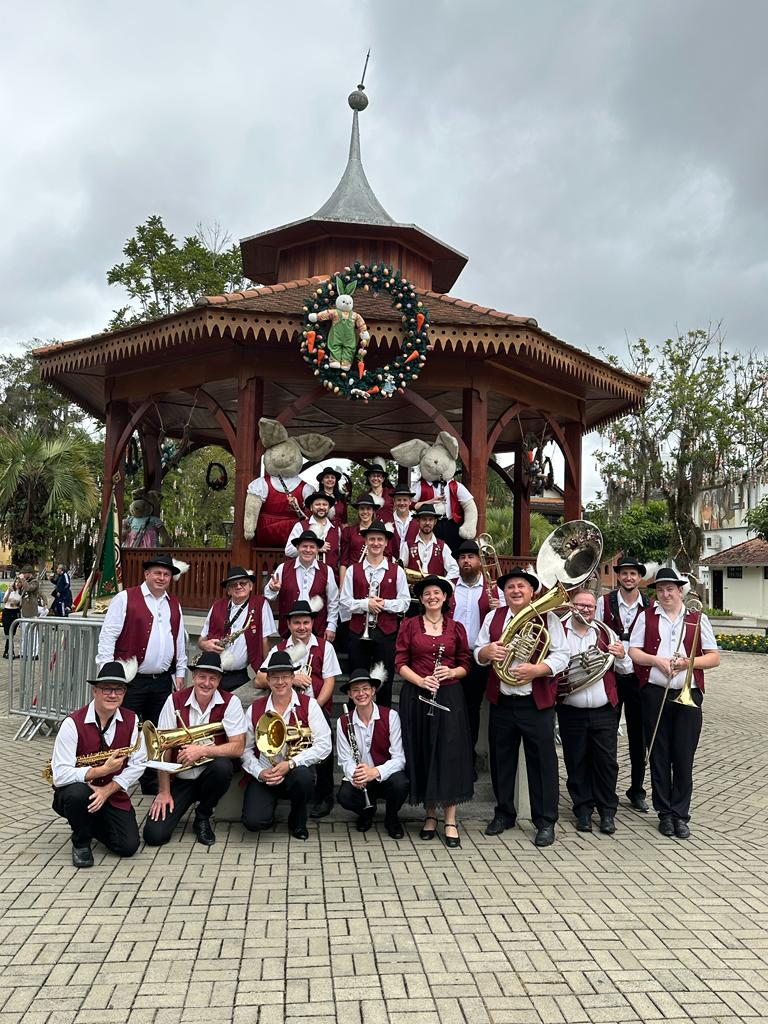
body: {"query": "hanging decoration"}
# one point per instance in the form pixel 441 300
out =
pixel 335 337
pixel 132 457
pixel 216 476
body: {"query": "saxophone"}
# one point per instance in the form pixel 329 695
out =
pixel 93 760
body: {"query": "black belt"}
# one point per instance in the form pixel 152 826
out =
pixel 153 675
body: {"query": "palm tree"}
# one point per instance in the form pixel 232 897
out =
pixel 41 479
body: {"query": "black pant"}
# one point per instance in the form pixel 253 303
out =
pixel 9 617
pixel 234 680
pixel 324 771
pixel 628 688
pixel 513 719
pixel 673 749
pixel 589 741
pixel 474 684
pixel 116 829
pixel 393 791
pixel 206 790
pixel 365 654
pixel 146 696
pixel 260 800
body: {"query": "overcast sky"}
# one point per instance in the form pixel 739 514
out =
pixel 603 165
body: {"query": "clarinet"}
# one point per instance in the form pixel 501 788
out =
pixel 292 500
pixel 356 752
pixel 432 699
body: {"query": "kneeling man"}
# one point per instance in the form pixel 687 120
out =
pixel 203 703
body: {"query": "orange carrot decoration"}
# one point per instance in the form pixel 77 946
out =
pixel 311 335
pixel 420 318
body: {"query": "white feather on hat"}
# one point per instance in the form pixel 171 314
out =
pixel 316 603
pixel 379 672
pixel 298 653
pixel 181 566
pixel 130 667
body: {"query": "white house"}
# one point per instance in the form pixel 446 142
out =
pixel 738 578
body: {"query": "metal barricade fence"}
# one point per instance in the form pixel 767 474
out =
pixel 48 678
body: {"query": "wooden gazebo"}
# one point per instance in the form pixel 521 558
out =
pixel 210 372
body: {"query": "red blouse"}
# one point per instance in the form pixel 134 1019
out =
pixel 418 650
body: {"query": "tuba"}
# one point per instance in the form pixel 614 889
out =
pixel 274 737
pixel 566 558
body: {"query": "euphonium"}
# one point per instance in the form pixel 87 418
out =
pixel 524 631
pixel 160 741
pixel 274 737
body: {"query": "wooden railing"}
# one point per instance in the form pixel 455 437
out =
pixel 200 586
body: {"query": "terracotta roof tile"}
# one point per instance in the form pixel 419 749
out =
pixel 749 552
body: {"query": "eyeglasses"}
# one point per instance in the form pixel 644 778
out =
pixel 279 677
pixel 110 690
pixel 238 584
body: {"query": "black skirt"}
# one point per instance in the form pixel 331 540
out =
pixel 438 748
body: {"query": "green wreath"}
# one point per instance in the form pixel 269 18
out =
pixel 357 382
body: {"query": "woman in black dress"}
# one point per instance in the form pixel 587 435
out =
pixel 432 656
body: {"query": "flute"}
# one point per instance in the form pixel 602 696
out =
pixel 356 752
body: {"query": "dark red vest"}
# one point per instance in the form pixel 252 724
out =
pixel 333 538
pixel 134 637
pixel 429 492
pixel 254 641
pixel 259 706
pixel 615 622
pixel 387 621
pixel 316 657
pixel 89 742
pixel 380 752
pixel 289 595
pixel 483 604
pixel 436 565
pixel 653 639
pixel 544 688
pixel 276 517
pixel 609 679
pixel 352 544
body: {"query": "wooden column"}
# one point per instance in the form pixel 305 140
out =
pixel 150 456
pixel 474 427
pixel 250 406
pixel 521 530
pixel 118 416
pixel 572 456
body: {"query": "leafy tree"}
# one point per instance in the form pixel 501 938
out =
pixel 704 418
pixel 27 402
pixel 192 512
pixel 644 531
pixel 757 519
pixel 163 277
pixel 41 480
pixel 499 523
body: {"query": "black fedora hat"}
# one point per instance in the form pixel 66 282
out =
pixel 316 495
pixel 427 510
pixel 328 471
pixel 277 662
pixel 209 661
pixel 669 575
pixel 237 572
pixel 111 672
pixel 307 535
pixel 364 499
pixel 301 608
pixel 468 547
pixel 362 675
pixel 163 561
pixel 401 492
pixel 519 574
pixel 377 526
pixel 432 581
pixel 627 562
pixel 375 468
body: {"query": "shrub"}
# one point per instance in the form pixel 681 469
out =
pixel 751 644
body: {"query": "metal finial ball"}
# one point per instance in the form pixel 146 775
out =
pixel 357 99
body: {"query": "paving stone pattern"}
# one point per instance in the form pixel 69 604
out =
pixel 359 929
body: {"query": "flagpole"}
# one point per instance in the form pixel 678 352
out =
pixel 108 519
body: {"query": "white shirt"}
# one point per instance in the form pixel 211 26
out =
pixel 233 721
pixel 557 658
pixel 160 647
pixel 320 528
pixel 467 608
pixel 364 736
pixel 305 577
pixel 331 665
pixel 627 613
pixel 65 752
pixel 451 568
pixel 402 526
pixel 260 489
pixel 351 605
pixel 669 635
pixel 593 696
pixel 443 495
pixel 238 648
pixel 254 762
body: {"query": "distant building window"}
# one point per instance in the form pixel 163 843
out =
pixel 765 572
pixel 709 542
pixel 734 572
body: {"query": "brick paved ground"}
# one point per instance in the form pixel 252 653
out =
pixel 358 929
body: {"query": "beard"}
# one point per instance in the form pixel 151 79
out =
pixel 469 575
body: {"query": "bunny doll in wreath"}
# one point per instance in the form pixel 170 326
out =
pixel 346 324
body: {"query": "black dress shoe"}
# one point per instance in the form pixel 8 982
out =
pixel 498 824
pixel 82 856
pixel 394 828
pixel 428 833
pixel 639 803
pixel 681 829
pixel 364 822
pixel 300 832
pixel 666 826
pixel 321 808
pixel 607 824
pixel 452 842
pixel 545 836
pixel 204 831
pixel 584 823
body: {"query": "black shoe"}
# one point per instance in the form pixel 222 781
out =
pixel 428 833
pixel 607 824
pixel 364 821
pixel 639 803
pixel 82 856
pixel 6 655
pixel 320 808
pixel 497 825
pixel 300 832
pixel 204 831
pixel 584 823
pixel 545 836
pixel 452 842
pixel 666 826
pixel 681 829
pixel 394 828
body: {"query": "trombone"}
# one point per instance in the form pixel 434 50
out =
pixel 490 566
pixel 684 697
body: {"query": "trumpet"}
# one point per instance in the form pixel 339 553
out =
pixel 371 618
pixel 93 760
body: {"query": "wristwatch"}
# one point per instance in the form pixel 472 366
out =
pixel 291 764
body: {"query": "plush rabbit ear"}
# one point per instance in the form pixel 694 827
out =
pixel 449 442
pixel 409 453
pixel 314 446
pixel 340 288
pixel 351 287
pixel 271 432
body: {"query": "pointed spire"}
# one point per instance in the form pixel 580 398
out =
pixel 353 198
